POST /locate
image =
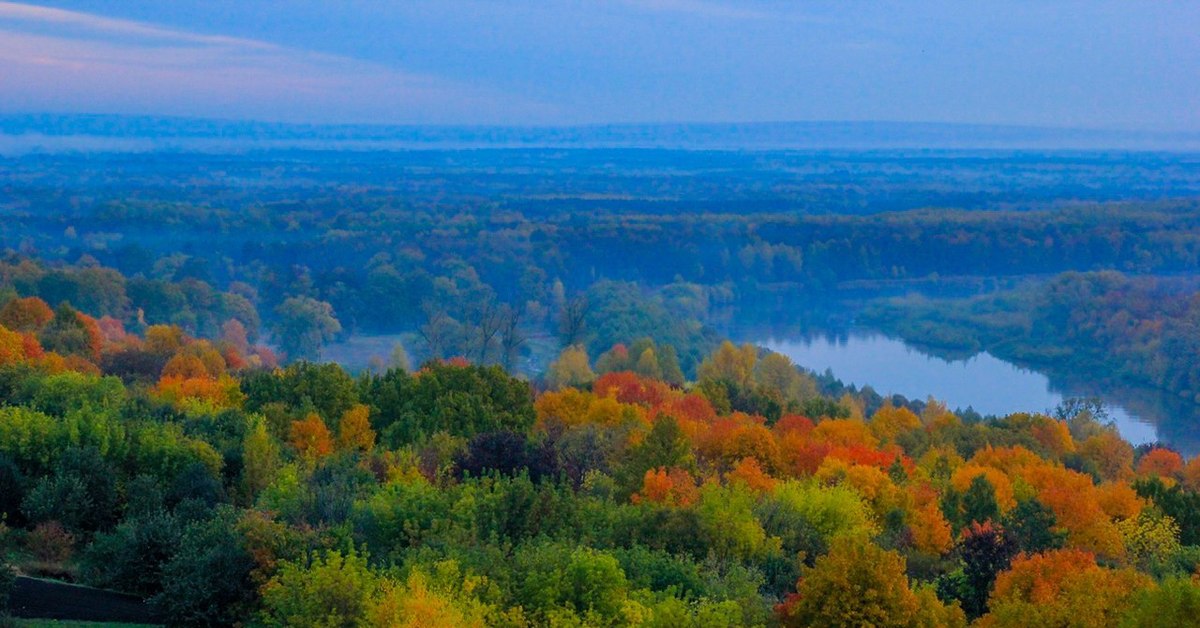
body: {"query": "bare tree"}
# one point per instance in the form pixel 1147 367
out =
pixel 571 320
pixel 511 337
pixel 488 318
pixel 435 331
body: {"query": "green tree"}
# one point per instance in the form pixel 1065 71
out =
pixel 132 556
pixel 1032 526
pixel 665 446
pixel 331 591
pixel 207 581
pixel 459 400
pixel 647 364
pixel 669 360
pixel 326 389
pixel 979 502
pixel 260 458
pixel 1174 602
pixel 730 363
pixel 12 491
pixel 586 582
pixel 82 493
pixel 303 325
pixel 68 335
pixel 728 525
pixel 777 373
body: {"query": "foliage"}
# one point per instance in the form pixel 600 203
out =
pixel 132 556
pixel 570 369
pixel 640 499
pixel 207 580
pixel 857 584
pixel 1174 602
pixel 459 400
pixel 303 325
pixel 331 590
pixel 1062 587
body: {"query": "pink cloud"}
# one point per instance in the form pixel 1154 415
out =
pixel 57 60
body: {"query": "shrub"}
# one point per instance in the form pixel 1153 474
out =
pixel 50 542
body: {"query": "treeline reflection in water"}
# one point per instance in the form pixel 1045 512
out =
pixel 987 384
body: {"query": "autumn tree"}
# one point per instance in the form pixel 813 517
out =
pixel 775 372
pixel 399 359
pixel 27 315
pixel 416 603
pixel 730 363
pixel 233 333
pixel 15 347
pixel 859 584
pixel 890 421
pixel 311 438
pixel 570 369
pixel 354 430
pixel 665 446
pixel 615 360
pixel 1149 538
pixel 1160 462
pixel 1062 588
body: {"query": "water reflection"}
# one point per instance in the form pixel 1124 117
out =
pixel 988 384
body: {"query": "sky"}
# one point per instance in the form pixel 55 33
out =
pixel 1101 64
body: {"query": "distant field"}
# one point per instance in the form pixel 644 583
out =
pixel 357 352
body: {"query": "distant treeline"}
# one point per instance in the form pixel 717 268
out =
pixel 1113 327
pixel 480 253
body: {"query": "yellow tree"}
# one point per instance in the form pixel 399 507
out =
pixel 859 584
pixel 888 422
pixel 647 364
pixel 776 371
pixel 354 430
pixel 730 363
pixel 570 369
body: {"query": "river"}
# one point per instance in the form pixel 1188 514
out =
pixel 986 384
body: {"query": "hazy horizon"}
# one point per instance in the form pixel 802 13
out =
pixel 1075 65
pixel 56 133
